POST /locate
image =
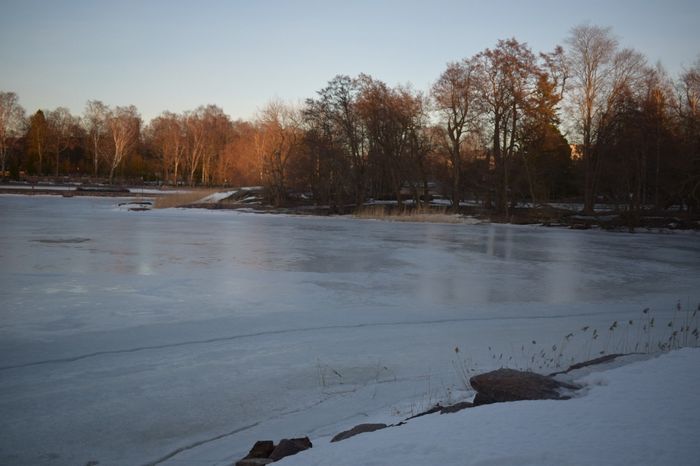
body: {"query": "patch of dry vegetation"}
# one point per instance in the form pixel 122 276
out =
pixel 407 214
pixel 183 198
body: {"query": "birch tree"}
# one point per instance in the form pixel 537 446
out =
pixel 278 136
pixel 168 138
pixel 11 122
pixel 217 129
pixel 590 59
pixel 95 123
pixel 124 129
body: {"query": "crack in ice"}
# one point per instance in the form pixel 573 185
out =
pixel 287 331
pixel 199 443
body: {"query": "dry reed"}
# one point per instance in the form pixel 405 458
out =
pixel 418 214
pixel 182 198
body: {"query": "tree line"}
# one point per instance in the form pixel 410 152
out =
pixel 590 120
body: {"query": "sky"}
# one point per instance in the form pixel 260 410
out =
pixel 176 55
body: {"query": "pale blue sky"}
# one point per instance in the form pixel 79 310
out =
pixel 175 55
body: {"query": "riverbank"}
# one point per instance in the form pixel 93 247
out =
pixel 615 420
pixel 554 215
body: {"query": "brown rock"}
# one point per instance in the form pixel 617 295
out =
pixel 288 447
pixel 261 449
pixel 456 407
pixel 254 461
pixel 435 409
pixel 512 385
pixel 481 399
pixel 358 429
pixel 592 362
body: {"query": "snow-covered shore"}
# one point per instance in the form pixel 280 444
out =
pixel 644 413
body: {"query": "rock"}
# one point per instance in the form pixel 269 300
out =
pixel 435 409
pixel 444 409
pixel 288 447
pixel 456 407
pixel 480 399
pixel 592 362
pixel 513 385
pixel 358 429
pixel 254 461
pixel 261 449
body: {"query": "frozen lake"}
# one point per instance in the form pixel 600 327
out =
pixel 181 337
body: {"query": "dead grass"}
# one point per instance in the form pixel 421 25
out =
pixel 419 214
pixel 180 199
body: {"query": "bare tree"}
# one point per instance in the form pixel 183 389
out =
pixel 328 168
pixel 340 98
pixel 11 122
pixel 659 101
pixel 279 134
pixel 392 116
pixel 238 164
pixel 507 78
pixel 168 137
pixel 206 128
pixel 689 120
pixel 590 59
pixel 195 130
pixel 63 128
pixel 217 127
pixel 124 127
pixel 689 89
pixel 455 98
pixel 37 140
pixel 95 123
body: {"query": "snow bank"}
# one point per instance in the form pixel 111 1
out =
pixel 643 413
pixel 216 197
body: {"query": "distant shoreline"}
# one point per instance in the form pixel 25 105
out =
pixel 546 215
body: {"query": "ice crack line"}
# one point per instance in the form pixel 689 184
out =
pixel 199 443
pixel 287 331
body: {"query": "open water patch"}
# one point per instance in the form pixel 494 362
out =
pixel 61 240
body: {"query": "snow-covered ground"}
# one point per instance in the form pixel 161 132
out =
pixel 216 197
pixel 180 337
pixel 645 413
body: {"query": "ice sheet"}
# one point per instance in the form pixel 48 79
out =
pixel 129 336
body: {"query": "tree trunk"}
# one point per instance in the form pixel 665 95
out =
pixel 588 200
pixel 497 162
pixel 456 172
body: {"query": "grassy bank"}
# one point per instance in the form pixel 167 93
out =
pixel 407 214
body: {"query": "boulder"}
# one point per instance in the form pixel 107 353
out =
pixel 435 409
pixel 601 360
pixel 254 461
pixel 261 449
pixel 513 385
pixel 358 429
pixel 481 399
pixel 288 447
pixel 456 407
